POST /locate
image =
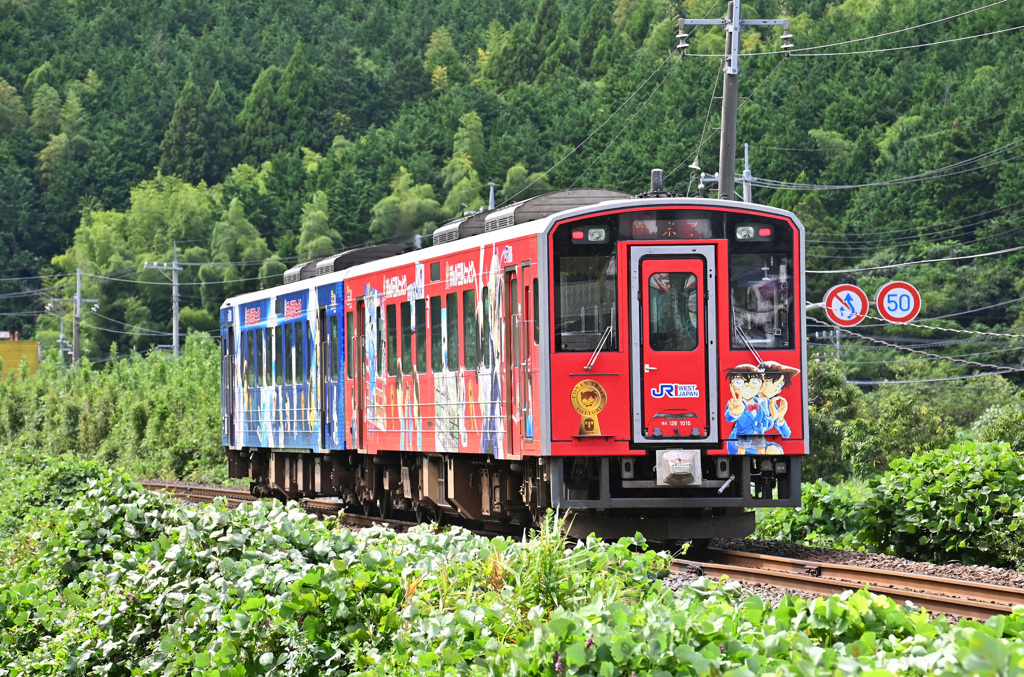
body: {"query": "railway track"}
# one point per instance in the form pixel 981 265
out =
pixel 938 595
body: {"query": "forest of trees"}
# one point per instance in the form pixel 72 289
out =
pixel 247 136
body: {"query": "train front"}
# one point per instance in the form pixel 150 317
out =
pixel 677 366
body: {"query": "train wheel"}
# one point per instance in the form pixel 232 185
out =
pixel 427 515
pixel 698 548
pixel 385 505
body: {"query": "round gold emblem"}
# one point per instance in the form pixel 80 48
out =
pixel 588 399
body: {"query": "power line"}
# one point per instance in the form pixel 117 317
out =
pixel 929 380
pixel 590 136
pixel 941 172
pixel 927 44
pixel 930 228
pixel 630 120
pixel 903 30
pixel 914 263
pixel 970 363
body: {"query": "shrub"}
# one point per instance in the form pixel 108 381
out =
pixel 825 519
pixel 898 429
pixel 148 415
pixel 1003 423
pixel 963 503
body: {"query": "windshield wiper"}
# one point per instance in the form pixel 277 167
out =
pixel 600 346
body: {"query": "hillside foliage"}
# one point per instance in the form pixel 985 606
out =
pixel 254 135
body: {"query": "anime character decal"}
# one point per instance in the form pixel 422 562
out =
pixel 756 407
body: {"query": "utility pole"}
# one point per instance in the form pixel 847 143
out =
pixel 76 338
pixel 174 268
pixel 733 24
pixel 747 176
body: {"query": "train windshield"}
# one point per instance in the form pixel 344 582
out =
pixel 761 284
pixel 586 293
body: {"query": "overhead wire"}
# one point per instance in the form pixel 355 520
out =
pixel 630 120
pixel 971 363
pixel 590 136
pixel 906 264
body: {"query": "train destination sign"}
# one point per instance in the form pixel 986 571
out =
pixel 898 302
pixel 846 305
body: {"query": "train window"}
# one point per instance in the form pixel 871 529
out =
pixel 379 329
pixel 761 295
pixel 529 310
pixel 407 332
pixel 514 302
pixel 451 306
pixel 280 358
pixel 250 359
pixel 289 352
pixel 261 339
pixel 435 271
pixel 421 335
pixel 392 340
pixel 436 362
pixel 332 349
pixel 471 328
pixel 302 353
pixel 268 356
pixel 260 358
pixel 672 311
pixel 485 335
pixel 586 294
pixel 536 314
pixel 351 335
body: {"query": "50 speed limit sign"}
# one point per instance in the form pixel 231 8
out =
pixel 898 302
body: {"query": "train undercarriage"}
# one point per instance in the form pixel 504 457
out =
pixel 608 496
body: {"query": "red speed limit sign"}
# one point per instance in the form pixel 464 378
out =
pixel 898 302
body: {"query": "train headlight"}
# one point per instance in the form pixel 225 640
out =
pixel 745 233
pixel 590 236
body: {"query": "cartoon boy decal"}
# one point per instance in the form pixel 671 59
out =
pixel 756 406
pixel 744 409
pixel 776 378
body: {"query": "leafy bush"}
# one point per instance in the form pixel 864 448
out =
pixel 898 429
pixel 1003 423
pixel 832 402
pixel 132 583
pixel 35 481
pixel 148 415
pixel 826 517
pixel 963 503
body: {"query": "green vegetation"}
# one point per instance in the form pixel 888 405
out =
pixel 122 582
pixel 150 416
pixel 265 134
pixel 963 503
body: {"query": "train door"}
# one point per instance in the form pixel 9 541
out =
pixel 227 391
pixel 673 346
pixel 513 365
pixel 358 354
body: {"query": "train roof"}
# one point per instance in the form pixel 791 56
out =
pixel 540 222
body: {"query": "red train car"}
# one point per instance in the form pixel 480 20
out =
pixel 636 363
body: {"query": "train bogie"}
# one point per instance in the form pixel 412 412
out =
pixel 635 363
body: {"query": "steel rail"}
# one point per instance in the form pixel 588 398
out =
pixel 938 595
